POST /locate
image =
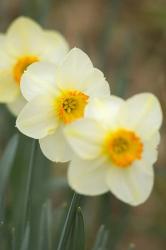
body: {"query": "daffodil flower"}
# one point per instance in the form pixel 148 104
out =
pixel 115 147
pixel 24 43
pixel 57 96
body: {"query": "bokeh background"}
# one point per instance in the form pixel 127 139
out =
pixel 127 40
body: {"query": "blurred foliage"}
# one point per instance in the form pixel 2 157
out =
pixel 126 39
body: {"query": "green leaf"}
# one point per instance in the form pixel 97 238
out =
pixel 101 239
pixel 5 169
pixel 27 199
pixel 68 222
pixel 45 227
pixel 25 241
pixel 78 231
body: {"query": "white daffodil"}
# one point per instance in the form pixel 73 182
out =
pixel 116 146
pixel 57 96
pixel 24 43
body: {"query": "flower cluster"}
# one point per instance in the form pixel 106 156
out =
pixel 62 100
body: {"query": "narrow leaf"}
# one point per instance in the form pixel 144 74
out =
pixel 68 222
pixel 5 168
pixel 79 231
pixel 26 205
pixel 101 239
pixel 45 227
pixel 25 241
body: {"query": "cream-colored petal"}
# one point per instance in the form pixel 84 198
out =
pixel 55 147
pixel 150 152
pixel 23 37
pixel 96 85
pixel 17 105
pixel 88 177
pixel 143 113
pixel 74 70
pixel 37 119
pixel 55 47
pixel 105 111
pixel 39 79
pixel 85 137
pixel 132 185
pixel 9 89
pixel 5 60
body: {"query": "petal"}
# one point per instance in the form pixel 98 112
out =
pixel 38 79
pixel 96 84
pixel 105 111
pixel 9 90
pixel 74 70
pixel 5 61
pixel 23 37
pixel 88 177
pixel 37 119
pixel 55 147
pixel 17 105
pixel 85 137
pixel 150 152
pixel 55 47
pixel 143 112
pixel 132 185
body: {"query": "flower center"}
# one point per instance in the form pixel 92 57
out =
pixel 21 65
pixel 70 105
pixel 123 147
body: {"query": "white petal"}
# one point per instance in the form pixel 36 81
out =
pixel 55 147
pixel 16 106
pixel 37 119
pixel 85 137
pixel 88 177
pixel 74 70
pixel 23 37
pixel 96 84
pixel 38 79
pixel 105 111
pixel 132 185
pixel 143 112
pixel 5 61
pixel 55 47
pixel 9 89
pixel 150 152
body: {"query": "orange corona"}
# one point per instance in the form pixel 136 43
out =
pixel 70 106
pixel 21 66
pixel 123 147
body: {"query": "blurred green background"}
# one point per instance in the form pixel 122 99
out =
pixel 127 40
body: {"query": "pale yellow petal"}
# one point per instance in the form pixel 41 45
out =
pixel 23 37
pixel 37 119
pixel 39 79
pixel 105 111
pixel 9 89
pixel 17 105
pixel 55 147
pixel 74 70
pixel 5 60
pixel 85 137
pixel 95 85
pixel 55 47
pixel 88 177
pixel 132 185
pixel 143 113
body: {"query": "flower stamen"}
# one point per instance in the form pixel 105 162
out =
pixel 70 106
